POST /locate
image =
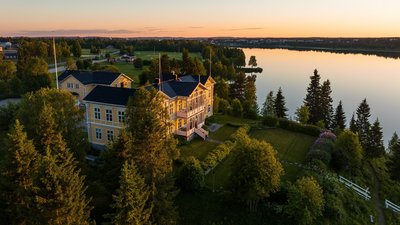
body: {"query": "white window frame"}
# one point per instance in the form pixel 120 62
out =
pixel 109 116
pixel 76 86
pixel 97 114
pixel 121 116
pixel 110 135
pixel 98 132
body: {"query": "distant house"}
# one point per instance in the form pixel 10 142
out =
pixel 10 54
pixel 127 58
pixel 188 99
pixel 1 49
pixel 80 83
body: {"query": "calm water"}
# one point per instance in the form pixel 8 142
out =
pixel 353 77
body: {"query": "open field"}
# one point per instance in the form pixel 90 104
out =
pixel 149 55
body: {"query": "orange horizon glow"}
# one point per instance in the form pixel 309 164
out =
pixel 206 18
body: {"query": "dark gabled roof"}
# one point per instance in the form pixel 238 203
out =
pixel 175 88
pixel 120 96
pixel 91 77
pixel 110 95
pixel 194 78
pixel 185 78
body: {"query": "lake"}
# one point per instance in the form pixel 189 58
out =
pixel 353 77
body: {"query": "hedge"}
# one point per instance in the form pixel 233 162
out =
pixel 217 155
pixel 292 126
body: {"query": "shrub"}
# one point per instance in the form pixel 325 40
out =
pixel 270 121
pixel 297 127
pixel 217 155
pixel 191 176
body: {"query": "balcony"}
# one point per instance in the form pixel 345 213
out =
pixel 186 114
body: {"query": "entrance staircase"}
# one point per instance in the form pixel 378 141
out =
pixel 201 132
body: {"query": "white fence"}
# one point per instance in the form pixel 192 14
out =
pixel 390 205
pixel 363 192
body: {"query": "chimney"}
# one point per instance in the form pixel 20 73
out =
pixel 175 76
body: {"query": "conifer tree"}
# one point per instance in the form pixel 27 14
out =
pixel 222 89
pixel 353 126
pixel 131 201
pixel 66 116
pixel 393 142
pixel 154 149
pixel 375 147
pixel 326 104
pixel 19 173
pixel 280 108
pixel 394 161
pixel 339 120
pixel 313 98
pixel 250 106
pixel 60 198
pixel 269 105
pixel 117 153
pixel 238 87
pixel 362 122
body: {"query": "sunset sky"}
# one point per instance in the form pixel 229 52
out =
pixel 201 18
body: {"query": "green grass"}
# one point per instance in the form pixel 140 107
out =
pixel 223 133
pixel 128 69
pixel 197 148
pixel 225 119
pixel 149 55
pixel 219 177
pixel 86 51
pixel 291 146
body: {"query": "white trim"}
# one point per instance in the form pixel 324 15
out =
pixel 104 125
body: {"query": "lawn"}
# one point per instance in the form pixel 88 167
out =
pixel 225 119
pixel 149 55
pixel 197 148
pixel 223 133
pixel 128 69
pixel 291 146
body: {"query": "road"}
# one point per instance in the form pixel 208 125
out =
pixel 61 68
pixel 61 65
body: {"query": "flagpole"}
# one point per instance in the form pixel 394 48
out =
pixel 55 60
pixel 159 70
pixel 210 61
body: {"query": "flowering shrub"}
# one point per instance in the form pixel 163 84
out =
pixel 322 148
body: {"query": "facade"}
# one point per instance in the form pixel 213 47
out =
pixel 81 83
pixel 10 54
pixel 189 101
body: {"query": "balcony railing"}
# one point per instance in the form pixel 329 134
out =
pixel 185 113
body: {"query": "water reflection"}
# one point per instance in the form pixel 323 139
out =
pixel 353 78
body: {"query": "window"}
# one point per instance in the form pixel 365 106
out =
pixel 121 116
pixel 70 85
pixel 76 86
pixel 98 133
pixel 179 123
pixel 110 135
pixel 171 108
pixel 108 114
pixel 209 108
pixel 97 113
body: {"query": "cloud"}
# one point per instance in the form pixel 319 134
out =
pixel 74 32
pixel 195 27
pixel 246 28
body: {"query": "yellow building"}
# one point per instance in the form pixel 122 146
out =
pixel 81 83
pixel 189 100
